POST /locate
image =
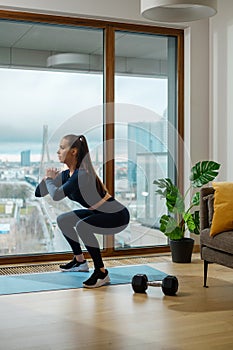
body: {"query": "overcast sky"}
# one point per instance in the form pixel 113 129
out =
pixel 31 99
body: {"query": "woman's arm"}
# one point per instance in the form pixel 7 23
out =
pixel 54 189
pixel 42 190
pixel 65 188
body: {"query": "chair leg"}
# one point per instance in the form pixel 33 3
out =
pixel 205 273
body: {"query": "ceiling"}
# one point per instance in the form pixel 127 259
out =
pixel 45 37
pixel 27 45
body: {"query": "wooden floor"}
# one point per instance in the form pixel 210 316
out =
pixel 115 318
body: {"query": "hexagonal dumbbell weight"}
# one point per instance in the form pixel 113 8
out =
pixel 169 284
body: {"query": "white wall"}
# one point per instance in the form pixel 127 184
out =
pixel 221 94
pixel 196 59
pixel 197 90
pixel 112 9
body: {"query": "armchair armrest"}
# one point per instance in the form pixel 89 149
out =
pixel 204 210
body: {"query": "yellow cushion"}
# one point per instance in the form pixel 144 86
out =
pixel 223 208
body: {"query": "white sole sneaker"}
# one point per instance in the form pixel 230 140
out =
pixel 81 268
pixel 100 282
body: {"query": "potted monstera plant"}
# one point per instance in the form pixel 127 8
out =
pixel 181 217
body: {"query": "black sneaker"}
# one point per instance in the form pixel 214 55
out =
pixel 74 265
pixel 97 279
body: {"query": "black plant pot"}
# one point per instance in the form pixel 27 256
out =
pixel 182 250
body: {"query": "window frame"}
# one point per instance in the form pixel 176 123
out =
pixel 109 29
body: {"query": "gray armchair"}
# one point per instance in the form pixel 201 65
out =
pixel 217 249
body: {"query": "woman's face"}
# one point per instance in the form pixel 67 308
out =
pixel 65 153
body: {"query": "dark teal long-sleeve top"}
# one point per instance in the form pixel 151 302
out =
pixel 79 187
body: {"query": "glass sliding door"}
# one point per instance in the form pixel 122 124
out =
pixel 51 85
pixel 145 130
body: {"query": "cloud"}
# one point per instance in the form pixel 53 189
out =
pixel 31 99
pixel 69 102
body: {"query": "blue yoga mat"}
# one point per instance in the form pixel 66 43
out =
pixel 48 281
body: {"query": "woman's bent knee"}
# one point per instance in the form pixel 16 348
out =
pixel 60 219
pixel 65 219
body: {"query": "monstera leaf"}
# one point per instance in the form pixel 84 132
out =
pixel 174 199
pixel 203 172
pixel 192 221
pixel 196 199
pixel 196 219
pixel 168 225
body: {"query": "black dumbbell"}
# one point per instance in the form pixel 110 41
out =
pixel 169 284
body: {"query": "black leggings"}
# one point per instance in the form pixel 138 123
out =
pixel 84 223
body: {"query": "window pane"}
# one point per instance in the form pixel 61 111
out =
pixel 52 85
pixel 145 146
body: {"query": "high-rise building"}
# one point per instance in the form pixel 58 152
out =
pixel 147 161
pixel 45 149
pixel 26 158
pixel 145 138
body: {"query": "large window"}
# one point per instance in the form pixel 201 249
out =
pixel 145 72
pixel 58 79
pixel 52 85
